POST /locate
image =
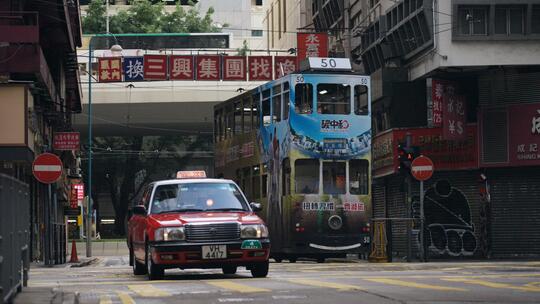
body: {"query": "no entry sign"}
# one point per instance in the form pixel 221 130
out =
pixel 422 168
pixel 47 168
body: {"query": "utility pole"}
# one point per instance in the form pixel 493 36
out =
pixel 408 197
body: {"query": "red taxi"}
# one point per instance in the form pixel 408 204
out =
pixel 196 222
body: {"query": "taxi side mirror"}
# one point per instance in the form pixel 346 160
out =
pixel 139 210
pixel 256 207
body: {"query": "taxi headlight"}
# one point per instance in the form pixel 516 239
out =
pixel 253 231
pixel 170 234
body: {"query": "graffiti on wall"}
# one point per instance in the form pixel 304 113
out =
pixel 448 221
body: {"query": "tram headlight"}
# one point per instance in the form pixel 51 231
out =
pixel 170 234
pixel 253 231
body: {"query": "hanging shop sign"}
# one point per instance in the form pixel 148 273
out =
pixel 311 45
pixel 524 134
pixel 66 141
pixel 109 69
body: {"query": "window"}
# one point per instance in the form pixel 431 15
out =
pixel 145 200
pixel 248 114
pixel 284 16
pixel 276 103
pixel 258 2
pixel 509 20
pixel 361 100
pixel 266 108
pixel 279 18
pixel 334 177
pixel 535 19
pixel 359 176
pixel 286 101
pixel 256 33
pixel 256 182
pixel 246 183
pixel 307 176
pixel 333 98
pixel 229 123
pixel 238 111
pixel 472 20
pixel 255 106
pixel 303 101
pixel 286 183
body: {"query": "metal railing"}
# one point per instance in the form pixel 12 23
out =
pixel 14 236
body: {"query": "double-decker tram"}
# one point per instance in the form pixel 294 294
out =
pixel 301 146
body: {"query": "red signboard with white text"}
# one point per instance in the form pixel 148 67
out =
pixel 208 67
pixel 155 67
pixel 234 68
pixel 311 45
pixel 181 68
pixel 66 141
pixel 109 69
pixel 524 131
pixel 260 68
pixel 454 118
pixel 284 65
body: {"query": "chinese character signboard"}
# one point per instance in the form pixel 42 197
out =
pixel 234 68
pixel 312 45
pixel 133 68
pixel 80 191
pixel 73 197
pixel 66 141
pixel 284 65
pixel 109 69
pixel 524 134
pixel 181 68
pixel 260 67
pixel 454 117
pixel 439 89
pixel 155 67
pixel 208 68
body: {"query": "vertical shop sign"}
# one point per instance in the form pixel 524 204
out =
pixel 208 68
pixel 109 69
pixel 312 45
pixel 155 67
pixel 260 67
pixel 454 117
pixel 181 68
pixel 133 68
pixel 234 68
pixel 524 134
pixel 284 65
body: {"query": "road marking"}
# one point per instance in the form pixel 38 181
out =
pixel 125 298
pixel 494 284
pixel 149 291
pixel 415 285
pixel 236 287
pixel 316 283
pixel 105 299
pixel 224 300
pixel 286 297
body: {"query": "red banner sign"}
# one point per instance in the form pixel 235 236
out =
pixel 439 90
pixel 181 68
pixel 260 67
pixel 454 118
pixel 234 68
pixel 109 69
pixel 524 134
pixel 73 197
pixel 155 67
pixel 66 141
pixel 208 68
pixel 312 45
pixel 445 154
pixel 80 191
pixel 284 65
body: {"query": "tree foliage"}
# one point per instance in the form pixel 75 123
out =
pixel 145 17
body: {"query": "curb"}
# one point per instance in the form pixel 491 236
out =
pixel 85 263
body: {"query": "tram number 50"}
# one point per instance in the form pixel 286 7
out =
pixel 328 62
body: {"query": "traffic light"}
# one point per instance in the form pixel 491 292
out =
pixel 405 157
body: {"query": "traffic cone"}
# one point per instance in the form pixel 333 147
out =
pixel 74 257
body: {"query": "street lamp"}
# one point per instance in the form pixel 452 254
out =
pixel 116 50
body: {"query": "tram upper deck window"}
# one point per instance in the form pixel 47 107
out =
pixel 334 177
pixel 333 98
pixel 361 100
pixel 307 176
pixel 276 103
pixel 266 108
pixel 303 99
pixel 359 176
pixel 256 101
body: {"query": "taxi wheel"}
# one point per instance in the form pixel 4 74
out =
pixel 155 272
pixel 229 269
pixel 260 270
pixel 138 268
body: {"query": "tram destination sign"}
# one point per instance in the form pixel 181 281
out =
pixel 325 63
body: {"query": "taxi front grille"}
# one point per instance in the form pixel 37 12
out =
pixel 212 232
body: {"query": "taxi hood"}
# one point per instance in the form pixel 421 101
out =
pixel 184 218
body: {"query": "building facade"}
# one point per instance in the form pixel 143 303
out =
pixel 39 93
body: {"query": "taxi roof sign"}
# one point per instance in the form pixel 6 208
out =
pixel 191 174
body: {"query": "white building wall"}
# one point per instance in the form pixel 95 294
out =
pixel 476 53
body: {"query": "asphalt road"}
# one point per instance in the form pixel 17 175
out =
pixel 110 280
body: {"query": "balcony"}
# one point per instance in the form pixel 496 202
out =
pixel 19 27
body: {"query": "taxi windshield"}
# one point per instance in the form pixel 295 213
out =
pixel 193 197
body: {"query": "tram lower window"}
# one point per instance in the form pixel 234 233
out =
pixel 359 176
pixel 307 176
pixel 333 98
pixel 334 178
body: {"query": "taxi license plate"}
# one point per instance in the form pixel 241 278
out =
pixel 214 252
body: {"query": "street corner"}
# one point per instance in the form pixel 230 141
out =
pixel 83 262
